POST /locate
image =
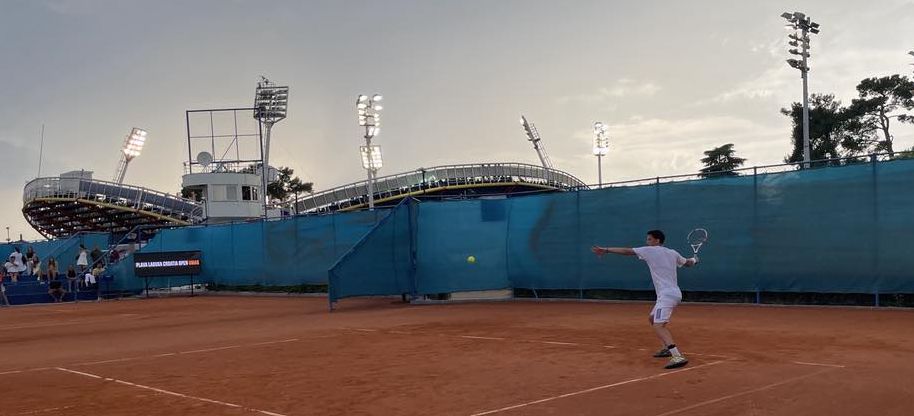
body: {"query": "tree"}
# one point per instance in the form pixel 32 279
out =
pixel 721 161
pixel 287 185
pixel 830 128
pixel 881 100
pixel 297 187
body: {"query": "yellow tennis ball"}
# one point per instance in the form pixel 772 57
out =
pixel 471 259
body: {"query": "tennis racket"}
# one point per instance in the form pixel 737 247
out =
pixel 697 238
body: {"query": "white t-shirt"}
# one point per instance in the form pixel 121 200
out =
pixel 663 263
pixel 10 267
pixel 90 279
pixel 83 259
pixel 17 260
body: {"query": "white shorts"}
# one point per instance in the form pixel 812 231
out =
pixel 663 309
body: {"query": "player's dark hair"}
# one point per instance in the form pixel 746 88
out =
pixel 658 235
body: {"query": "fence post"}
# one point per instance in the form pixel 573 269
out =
pixel 657 201
pixel 754 235
pixel 875 227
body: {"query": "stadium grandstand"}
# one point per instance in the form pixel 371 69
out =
pixel 452 181
pixel 74 202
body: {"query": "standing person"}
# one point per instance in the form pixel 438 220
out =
pixel 662 263
pixel 12 270
pixel 114 257
pixel 72 284
pixel 96 255
pixel 30 261
pixel 82 259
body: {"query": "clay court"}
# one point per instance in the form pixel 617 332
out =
pixel 289 356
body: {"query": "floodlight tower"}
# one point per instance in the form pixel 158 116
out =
pixel 270 105
pixel 600 147
pixel 369 111
pixel 533 136
pixel 802 26
pixel 133 146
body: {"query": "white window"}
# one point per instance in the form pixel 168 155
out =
pixel 231 193
pixel 249 193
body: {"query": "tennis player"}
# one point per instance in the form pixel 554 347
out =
pixel 662 263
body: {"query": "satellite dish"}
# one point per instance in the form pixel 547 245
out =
pixel 204 158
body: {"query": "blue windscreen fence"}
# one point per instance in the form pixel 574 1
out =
pixel 383 261
pixel 831 230
pixel 285 252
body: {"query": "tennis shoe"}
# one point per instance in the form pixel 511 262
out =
pixel 663 353
pixel 676 362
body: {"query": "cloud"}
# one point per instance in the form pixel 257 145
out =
pixel 623 87
pixel 650 147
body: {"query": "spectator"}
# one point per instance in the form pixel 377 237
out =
pixel 96 255
pixel 89 281
pixel 71 278
pixel 11 269
pixel 56 290
pixel 35 263
pixel 6 302
pixel 16 258
pixel 82 259
pixel 53 271
pixel 98 270
pixel 115 256
pixel 29 261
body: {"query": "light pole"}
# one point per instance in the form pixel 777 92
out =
pixel 7 235
pixel 133 146
pixel 600 147
pixel 802 26
pixel 369 111
pixel 271 103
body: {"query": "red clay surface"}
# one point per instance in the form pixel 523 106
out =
pixel 284 356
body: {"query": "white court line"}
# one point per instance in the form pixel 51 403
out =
pixel 477 337
pixel 168 354
pixel 593 389
pixel 723 357
pixel 50 409
pixel 227 347
pixel 168 392
pixel 818 364
pixel 555 342
pixel 283 341
pixel 743 393
pixel 26 370
pixel 50 324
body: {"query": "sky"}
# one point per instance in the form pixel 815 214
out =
pixel 671 79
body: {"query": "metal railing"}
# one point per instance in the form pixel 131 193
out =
pixel 762 169
pixel 135 197
pixel 465 174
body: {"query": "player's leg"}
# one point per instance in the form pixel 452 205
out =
pixel 660 317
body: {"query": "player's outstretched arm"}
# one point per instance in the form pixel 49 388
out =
pixel 688 262
pixel 624 251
